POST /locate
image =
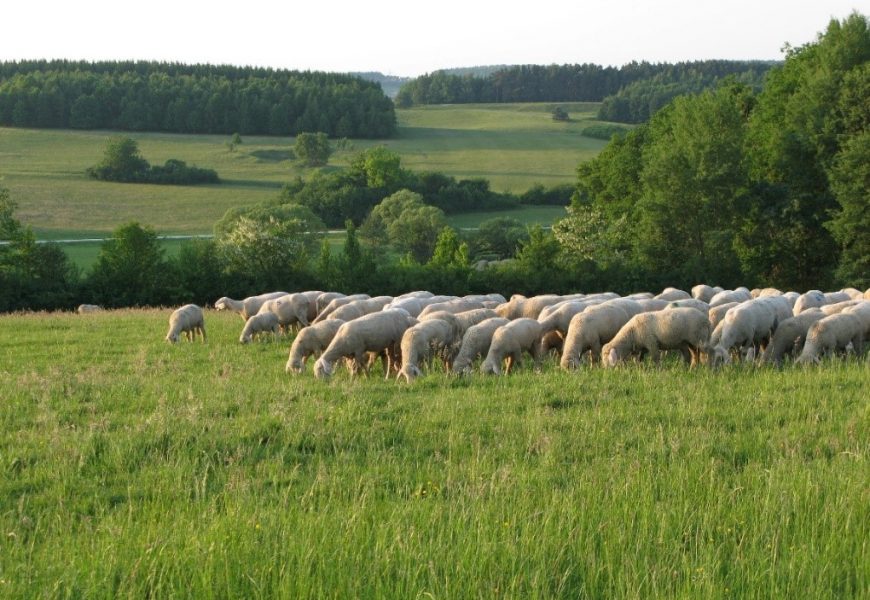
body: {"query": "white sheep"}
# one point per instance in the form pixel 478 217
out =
pixel 451 306
pixel 726 296
pixel 337 303
pixel 360 308
pixel 671 293
pixel 684 329
pixel 324 299
pixel 704 292
pixel 188 320
pixel 465 319
pixel 558 316
pixel 838 307
pixel 867 294
pixel 264 322
pixel 249 306
pixel 749 325
pixel 791 297
pixel 590 330
pixel 509 342
pixel 853 293
pixel 810 299
pixel 415 305
pixel 651 304
pixel 291 309
pixel 84 309
pixel 765 292
pixel 310 341
pixel 376 332
pixel 832 334
pixel 432 337
pixel 717 313
pixel 790 336
pixel 690 303
pixel 862 311
pixel 530 308
pixel 476 342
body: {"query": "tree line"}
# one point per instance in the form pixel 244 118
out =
pixel 563 83
pixel 153 96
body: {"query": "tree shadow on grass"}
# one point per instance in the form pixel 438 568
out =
pixel 273 155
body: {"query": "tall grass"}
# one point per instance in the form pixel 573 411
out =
pixel 131 467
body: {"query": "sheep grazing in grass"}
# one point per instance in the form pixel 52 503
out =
pixel 187 320
pixel 683 329
pixel 451 306
pixel 867 294
pixel 832 334
pixel 260 323
pixel 433 337
pixel 705 293
pixel 312 297
pixel 765 292
pixel 337 303
pixel 726 296
pixel 651 304
pixel 557 318
pixel 690 303
pixel 810 299
pixel 85 309
pixel 838 307
pixel 464 319
pixel 749 326
pixel 529 308
pixel 323 301
pixel 248 307
pixel 671 294
pixel 415 305
pixel 292 309
pixel 360 308
pixel 376 332
pixel 310 341
pixel 791 297
pixel 475 343
pixel 717 313
pixel 509 342
pixel 853 293
pixel 790 336
pixel 862 311
pixel 590 330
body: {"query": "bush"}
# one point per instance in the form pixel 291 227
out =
pixel 604 131
pixel 122 163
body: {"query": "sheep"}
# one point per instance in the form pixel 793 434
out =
pixel 591 329
pixel 705 293
pixel 415 305
pixel 830 334
pixel 464 319
pixel 748 325
pixel 509 341
pixel 425 338
pixel 452 306
pixel 853 293
pixel 337 303
pixel 323 301
pixel 311 296
pixel 726 296
pixel 249 306
pixel 375 332
pixel 360 308
pixel 476 342
pixel 84 309
pixel 651 304
pixel 558 316
pixel 790 335
pixel 291 309
pixel 263 322
pixel 717 313
pixel 690 303
pixel 497 298
pixel 791 297
pixel 867 294
pixel 862 311
pixel 670 294
pixel 416 294
pixel 684 329
pixel 521 307
pixel 310 341
pixel 188 320
pixel 810 299
pixel 838 307
pixel 640 296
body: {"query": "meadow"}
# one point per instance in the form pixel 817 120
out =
pixel 135 468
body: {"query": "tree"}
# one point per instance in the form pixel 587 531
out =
pixel 130 268
pixel 449 251
pixel 381 167
pixel 121 162
pixel 234 142
pixel 403 221
pixel 313 148
pixel 499 237
pixel 560 114
pixel 850 182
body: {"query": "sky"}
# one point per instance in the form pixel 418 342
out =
pixel 408 38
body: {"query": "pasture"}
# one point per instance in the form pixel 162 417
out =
pixel 132 467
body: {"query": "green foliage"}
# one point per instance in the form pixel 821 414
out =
pixel 380 167
pixel 560 114
pixel 557 195
pixel 498 238
pixel 123 163
pixel 130 269
pixel 234 142
pixel 272 210
pixel 604 131
pixel 850 182
pixel 449 250
pixel 403 221
pixel 313 148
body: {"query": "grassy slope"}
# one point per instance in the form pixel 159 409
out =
pixel 135 468
pixel 514 146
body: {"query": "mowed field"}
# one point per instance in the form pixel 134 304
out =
pixel 135 468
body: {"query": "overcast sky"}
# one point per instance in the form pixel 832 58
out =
pixel 404 37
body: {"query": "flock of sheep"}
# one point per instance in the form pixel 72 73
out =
pixel 411 331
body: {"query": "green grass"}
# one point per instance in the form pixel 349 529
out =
pixel 514 146
pixel 132 468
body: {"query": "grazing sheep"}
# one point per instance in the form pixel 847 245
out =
pixel 530 308
pixel 558 316
pixel 84 309
pixel 476 342
pixel 310 341
pixel 862 311
pixel 684 329
pixel 337 303
pixel 705 293
pixel 483 298
pixel 376 332
pixel 749 325
pixel 690 303
pixel 452 306
pixel 853 293
pixel 835 297
pixel 838 307
pixel 790 336
pixel 832 334
pixel 427 338
pixel 291 309
pixel 726 296
pixel 791 297
pixel 509 341
pixel 641 296
pixel 810 299
pixel 264 322
pixel 717 313
pixel 464 319
pixel 415 305
pixel 765 292
pixel 590 330
pixel 652 305
pixel 360 308
pixel 249 306
pixel 323 301
pixel 416 294
pixel 311 296
pixel 867 294
pixel 188 320
pixel 670 294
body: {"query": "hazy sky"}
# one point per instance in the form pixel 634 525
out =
pixel 410 38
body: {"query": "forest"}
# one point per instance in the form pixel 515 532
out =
pixel 152 96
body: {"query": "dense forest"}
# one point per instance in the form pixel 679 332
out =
pixel 152 96
pixel 564 83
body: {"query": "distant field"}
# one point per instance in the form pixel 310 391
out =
pixel 514 146
pixel 131 468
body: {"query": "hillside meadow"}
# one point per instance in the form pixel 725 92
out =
pixel 134 468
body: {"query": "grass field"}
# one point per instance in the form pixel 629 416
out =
pixel 132 468
pixel 514 146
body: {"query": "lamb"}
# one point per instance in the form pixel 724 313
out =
pixel 717 313
pixel 375 332
pixel 188 320
pixel 748 325
pixel 310 341
pixel 832 334
pixel 790 335
pixel 810 299
pixel 591 329
pixel 337 303
pixel 84 309
pixel 452 306
pixel 509 341
pixel 434 336
pixel 249 306
pixel 684 329
pixel 360 308
pixel 705 293
pixel 291 309
pixel 530 308
pixel 690 303
pixel 476 342
pixel 670 294
pixel 260 323
pixel 726 296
